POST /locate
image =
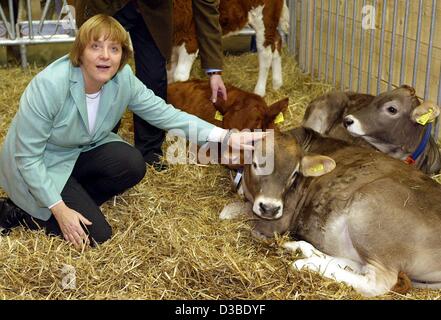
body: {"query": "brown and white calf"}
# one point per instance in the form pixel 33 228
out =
pixel 390 122
pixel 363 217
pixel 264 16
pixel 242 110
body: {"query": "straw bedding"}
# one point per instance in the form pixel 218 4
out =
pixel 168 241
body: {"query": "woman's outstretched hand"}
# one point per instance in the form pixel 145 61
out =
pixel 243 140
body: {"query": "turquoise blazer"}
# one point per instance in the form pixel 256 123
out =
pixel 50 130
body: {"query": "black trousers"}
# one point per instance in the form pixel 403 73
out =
pixel 98 175
pixel 151 70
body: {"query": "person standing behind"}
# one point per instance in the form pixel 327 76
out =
pixel 150 25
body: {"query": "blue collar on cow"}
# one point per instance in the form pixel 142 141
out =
pixel 238 178
pixel 411 159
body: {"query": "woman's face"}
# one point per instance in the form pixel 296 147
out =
pixel 100 62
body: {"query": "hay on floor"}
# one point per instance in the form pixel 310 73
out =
pixel 168 242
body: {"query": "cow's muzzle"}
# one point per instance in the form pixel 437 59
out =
pixel 269 209
pixel 353 126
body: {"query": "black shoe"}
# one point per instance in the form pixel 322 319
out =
pixel 10 215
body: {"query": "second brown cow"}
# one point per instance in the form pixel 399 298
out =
pixel 394 122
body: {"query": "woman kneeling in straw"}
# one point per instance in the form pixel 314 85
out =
pixel 60 160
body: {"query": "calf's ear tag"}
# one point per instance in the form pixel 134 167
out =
pixel 218 116
pixel 279 118
pixel 424 118
pixel 317 168
pixel 316 165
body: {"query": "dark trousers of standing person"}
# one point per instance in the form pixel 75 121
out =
pixel 98 175
pixel 151 70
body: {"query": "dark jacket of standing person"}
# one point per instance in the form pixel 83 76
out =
pixel 158 17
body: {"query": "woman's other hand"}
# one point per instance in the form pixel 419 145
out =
pixel 70 221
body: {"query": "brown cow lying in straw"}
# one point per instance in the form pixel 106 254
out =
pixel 242 110
pixel 393 122
pixel 371 216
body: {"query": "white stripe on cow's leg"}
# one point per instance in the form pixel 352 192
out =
pixel 255 18
pixel 185 62
pixel 265 58
pixel 277 70
pixel 308 251
pixel 171 67
pixel 375 281
pixel 305 248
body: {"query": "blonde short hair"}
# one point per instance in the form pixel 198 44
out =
pixel 93 29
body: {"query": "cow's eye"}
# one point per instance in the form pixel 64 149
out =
pixel 254 165
pixel 392 110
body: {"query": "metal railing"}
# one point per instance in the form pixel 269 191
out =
pixel 17 31
pixel 20 32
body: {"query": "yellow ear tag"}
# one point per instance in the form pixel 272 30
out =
pixel 317 168
pixel 423 119
pixel 279 118
pixel 218 116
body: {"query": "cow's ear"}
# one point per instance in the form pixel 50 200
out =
pixel 220 105
pixel 409 88
pixel 277 107
pixel 425 112
pixel 316 165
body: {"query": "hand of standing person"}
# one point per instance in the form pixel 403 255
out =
pixel 217 87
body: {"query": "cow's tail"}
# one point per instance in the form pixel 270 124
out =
pixel 284 19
